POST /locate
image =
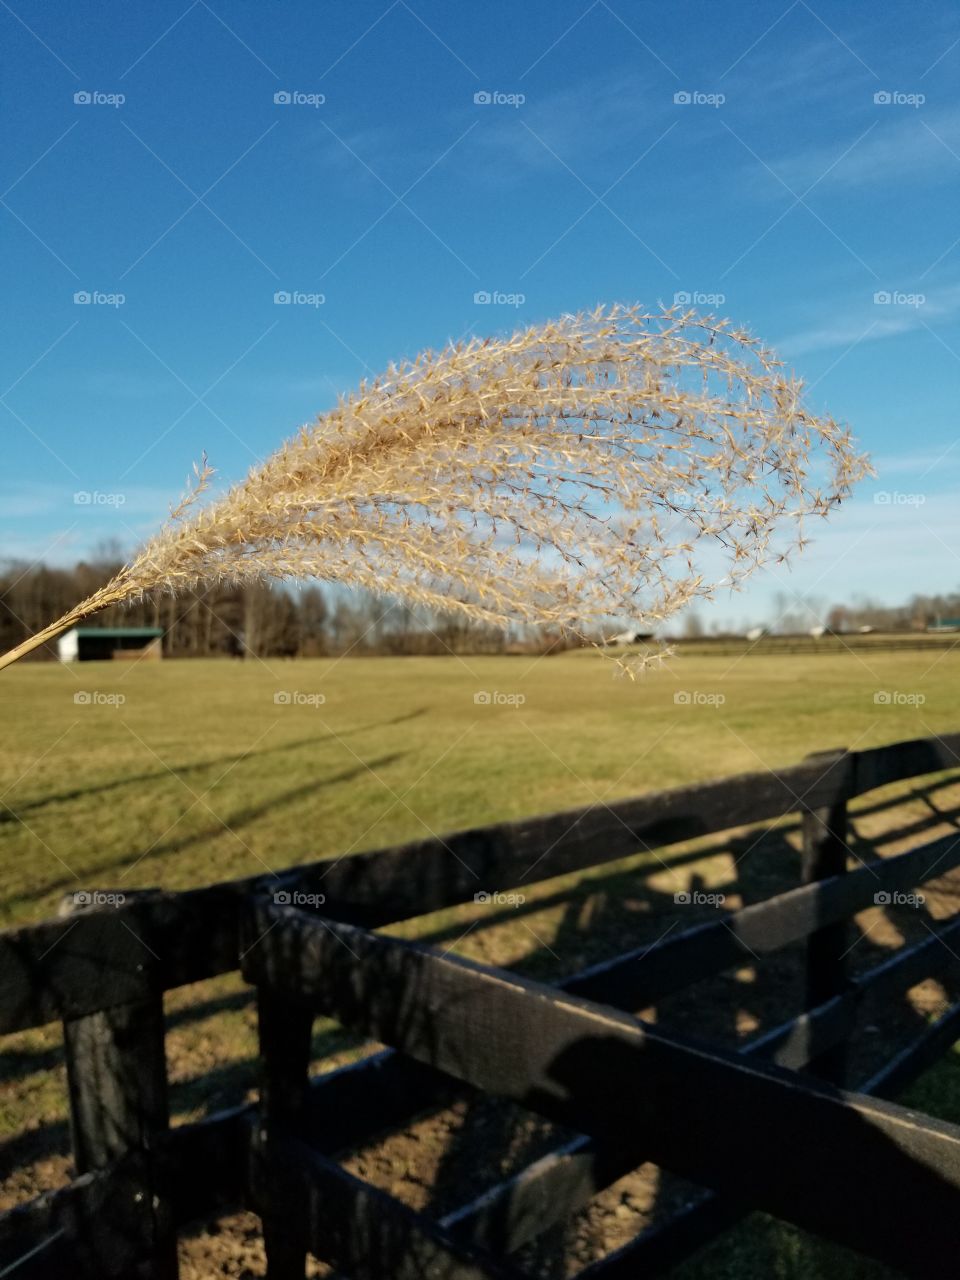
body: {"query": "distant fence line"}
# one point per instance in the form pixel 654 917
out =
pixel 770 646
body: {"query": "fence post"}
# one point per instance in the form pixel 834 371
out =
pixel 286 1033
pixel 824 829
pixel 117 1087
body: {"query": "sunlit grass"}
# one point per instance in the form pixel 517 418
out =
pixel 200 775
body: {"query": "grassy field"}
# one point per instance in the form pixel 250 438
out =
pixel 200 773
pixel 176 774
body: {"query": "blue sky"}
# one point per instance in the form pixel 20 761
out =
pixel 815 165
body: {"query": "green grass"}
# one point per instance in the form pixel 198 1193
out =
pixel 199 775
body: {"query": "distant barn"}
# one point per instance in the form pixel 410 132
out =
pixel 630 637
pixel 101 644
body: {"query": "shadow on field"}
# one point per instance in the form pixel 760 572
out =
pixel 443 1158
pixel 9 814
pixel 92 871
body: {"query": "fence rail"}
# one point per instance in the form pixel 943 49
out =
pixel 751 1127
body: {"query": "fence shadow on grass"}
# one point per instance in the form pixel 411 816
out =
pixel 625 911
pixel 11 814
pixel 94 873
pixel 604 916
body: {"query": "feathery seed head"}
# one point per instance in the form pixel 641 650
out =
pixel 568 475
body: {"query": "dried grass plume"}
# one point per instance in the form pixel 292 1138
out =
pixel 610 465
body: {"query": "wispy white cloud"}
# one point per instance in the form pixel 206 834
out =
pixel 809 72
pixel 375 156
pixel 906 145
pixel 869 321
pixel 35 498
pixel 610 122
pixel 920 463
pixel 32 498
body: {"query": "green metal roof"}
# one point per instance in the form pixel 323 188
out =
pixel 118 633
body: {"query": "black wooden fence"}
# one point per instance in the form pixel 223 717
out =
pixel 769 1127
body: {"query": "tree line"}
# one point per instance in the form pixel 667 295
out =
pixel 258 621
pixel 313 621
